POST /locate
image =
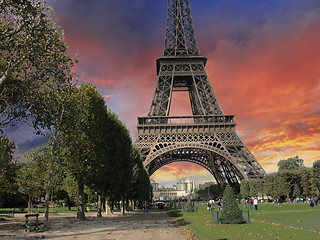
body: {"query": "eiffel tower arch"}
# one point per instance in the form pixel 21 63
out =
pixel 208 137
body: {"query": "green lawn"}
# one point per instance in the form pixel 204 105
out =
pixel 290 221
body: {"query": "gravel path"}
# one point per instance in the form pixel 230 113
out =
pixel 154 225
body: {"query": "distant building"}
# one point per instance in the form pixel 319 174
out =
pixel 202 185
pixel 185 184
pixel 155 186
pixel 182 189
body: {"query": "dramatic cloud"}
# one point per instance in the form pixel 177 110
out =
pixel 263 62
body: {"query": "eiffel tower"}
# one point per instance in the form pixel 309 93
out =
pixel 208 137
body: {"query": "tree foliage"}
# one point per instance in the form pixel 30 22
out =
pixel 293 163
pixel 316 173
pixel 7 169
pixel 33 57
pixel 292 180
pixel 245 189
pixel 32 175
pixel 82 138
pixel 231 213
pixel 140 182
pixel 189 206
pixel 214 190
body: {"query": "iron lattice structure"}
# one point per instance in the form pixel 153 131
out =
pixel 208 137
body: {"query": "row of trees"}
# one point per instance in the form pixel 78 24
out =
pixel 87 144
pixel 292 180
pixel 214 191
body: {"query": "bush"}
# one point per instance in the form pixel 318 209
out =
pixel 189 206
pixel 21 210
pixel 231 213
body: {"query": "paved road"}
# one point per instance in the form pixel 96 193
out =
pixel 154 225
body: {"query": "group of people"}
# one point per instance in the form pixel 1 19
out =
pixel 312 201
pixel 211 205
pixel 253 203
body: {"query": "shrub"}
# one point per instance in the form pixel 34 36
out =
pixel 231 213
pixel 189 206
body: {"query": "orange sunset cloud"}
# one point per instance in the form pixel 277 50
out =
pixel 263 63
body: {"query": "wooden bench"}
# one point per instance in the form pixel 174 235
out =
pixel 28 226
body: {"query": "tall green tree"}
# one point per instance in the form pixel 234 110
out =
pixel 34 64
pixel 48 119
pixel 231 213
pixel 33 54
pixel 7 169
pixel 245 189
pixel 140 183
pixel 274 186
pixel 293 163
pixel 81 136
pixel 256 187
pixel 33 174
pixel 31 177
pixel 119 147
pixel 316 173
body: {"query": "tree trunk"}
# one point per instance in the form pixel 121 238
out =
pixel 68 202
pixel 49 185
pixel 29 205
pixel 99 207
pixel 80 202
pixel 4 78
pixel 123 205
pixel 107 206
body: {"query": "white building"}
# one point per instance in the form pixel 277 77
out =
pixel 155 185
pixel 183 188
pixel 185 184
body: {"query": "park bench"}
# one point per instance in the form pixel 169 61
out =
pixel 28 225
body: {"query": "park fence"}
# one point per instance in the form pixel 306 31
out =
pixel 216 216
pixel 195 209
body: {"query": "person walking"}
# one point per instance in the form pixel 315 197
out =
pixel 209 206
pixel 251 203
pixel 245 203
pixel 255 203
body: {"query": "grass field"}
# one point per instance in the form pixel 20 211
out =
pixel 290 221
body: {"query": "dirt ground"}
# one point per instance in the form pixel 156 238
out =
pixel 140 225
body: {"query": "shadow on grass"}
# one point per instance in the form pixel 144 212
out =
pixel 180 222
pixel 177 213
pixel 174 212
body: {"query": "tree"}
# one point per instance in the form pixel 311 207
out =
pixel 256 187
pixel 31 176
pixel 231 213
pixel 82 135
pixel 245 189
pixel 35 65
pixel 140 183
pixel 308 184
pixel 8 170
pixel 316 173
pixel 33 54
pixel 7 148
pixel 48 119
pixel 189 206
pixel 274 186
pixel 293 163
pixel 119 147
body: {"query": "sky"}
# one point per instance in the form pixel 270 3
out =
pixel 263 64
